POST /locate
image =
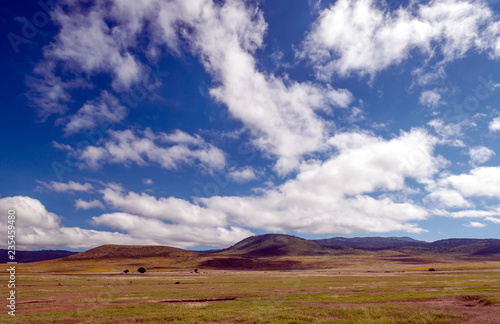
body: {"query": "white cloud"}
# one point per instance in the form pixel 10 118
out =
pixel 29 213
pixel 493 219
pixel 243 175
pixel 481 181
pixel 451 133
pixel 82 204
pixel 86 43
pixel 147 182
pixel 363 37
pixel 179 235
pixel 430 98
pixel 480 154
pixel 470 213
pixel 475 225
pixel 366 157
pixel 282 119
pixel 69 187
pixel 106 109
pixel 48 92
pixel 495 124
pixel 170 209
pixel 325 197
pixel 38 228
pixel 331 196
pixel 448 198
pixel 145 147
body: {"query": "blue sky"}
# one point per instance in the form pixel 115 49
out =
pixel 198 123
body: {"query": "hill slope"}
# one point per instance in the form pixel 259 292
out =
pixel 269 245
pixel 110 251
pixel 473 247
pixel 371 243
pixel 35 256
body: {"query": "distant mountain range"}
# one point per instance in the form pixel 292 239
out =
pixel 34 256
pixel 276 245
pixel 282 245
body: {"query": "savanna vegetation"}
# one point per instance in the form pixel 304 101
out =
pixel 448 295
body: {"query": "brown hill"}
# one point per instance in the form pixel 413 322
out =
pixel 110 251
pixel 271 245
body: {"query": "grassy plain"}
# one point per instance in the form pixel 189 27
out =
pixel 396 293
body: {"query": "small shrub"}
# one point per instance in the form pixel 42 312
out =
pixel 178 282
pixel 125 271
pixel 196 270
pixel 141 270
pixel 432 269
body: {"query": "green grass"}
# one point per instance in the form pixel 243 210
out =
pixel 261 297
pixel 266 311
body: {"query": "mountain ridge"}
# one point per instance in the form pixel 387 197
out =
pixel 278 245
pixel 113 251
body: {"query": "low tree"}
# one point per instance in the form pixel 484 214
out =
pixel 196 270
pixel 141 270
pixel 125 271
pixel 432 269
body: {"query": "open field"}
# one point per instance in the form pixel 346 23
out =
pixel 455 293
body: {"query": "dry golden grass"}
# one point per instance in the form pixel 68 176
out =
pixel 343 295
pixel 362 287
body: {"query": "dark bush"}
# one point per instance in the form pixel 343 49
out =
pixel 141 270
pixel 178 282
pixel 125 271
pixel 196 270
pixel 432 269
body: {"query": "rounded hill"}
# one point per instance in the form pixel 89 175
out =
pixel 110 251
pixel 269 245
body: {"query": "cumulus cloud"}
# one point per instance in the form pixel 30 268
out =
pixel 38 228
pixel 430 98
pixel 337 195
pixel 332 196
pixel 69 187
pixel 82 204
pixel 169 151
pixel 475 225
pixel 447 198
pixel 170 209
pixel 481 181
pixel 105 109
pixel 179 235
pixel 242 175
pixel 365 37
pixel 480 154
pixel 325 197
pixel 495 124
pixel 451 133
